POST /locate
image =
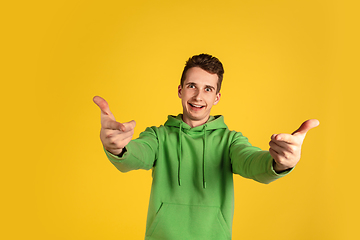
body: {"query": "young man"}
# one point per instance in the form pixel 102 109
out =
pixel 193 158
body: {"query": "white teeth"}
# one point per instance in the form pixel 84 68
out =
pixel 194 105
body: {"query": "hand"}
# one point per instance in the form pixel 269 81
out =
pixel 114 135
pixel 286 148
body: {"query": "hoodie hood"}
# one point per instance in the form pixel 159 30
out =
pixel 213 123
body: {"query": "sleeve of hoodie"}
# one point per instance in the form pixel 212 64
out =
pixel 252 162
pixel 140 153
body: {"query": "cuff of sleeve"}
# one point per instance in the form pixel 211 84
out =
pixel 282 173
pixel 116 158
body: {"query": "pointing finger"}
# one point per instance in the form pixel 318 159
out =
pixel 129 126
pixel 283 137
pixel 114 125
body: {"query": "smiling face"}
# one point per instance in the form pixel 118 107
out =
pixel 198 95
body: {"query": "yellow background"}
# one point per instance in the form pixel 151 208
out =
pixel 285 62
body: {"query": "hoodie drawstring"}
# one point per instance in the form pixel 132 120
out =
pixel 179 153
pixel 204 179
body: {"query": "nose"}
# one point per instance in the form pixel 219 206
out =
pixel 197 94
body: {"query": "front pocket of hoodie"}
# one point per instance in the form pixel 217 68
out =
pixel 180 221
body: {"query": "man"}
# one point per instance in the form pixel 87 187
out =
pixel 193 158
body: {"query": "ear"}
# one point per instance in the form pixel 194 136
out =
pixel 179 91
pixel 217 98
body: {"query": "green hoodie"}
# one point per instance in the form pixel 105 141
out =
pixel 192 194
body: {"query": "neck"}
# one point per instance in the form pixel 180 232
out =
pixel 194 123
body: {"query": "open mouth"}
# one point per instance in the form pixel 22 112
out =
pixel 196 106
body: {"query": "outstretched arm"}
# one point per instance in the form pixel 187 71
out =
pixel 114 135
pixel 286 148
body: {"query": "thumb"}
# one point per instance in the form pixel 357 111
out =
pixel 306 126
pixel 103 105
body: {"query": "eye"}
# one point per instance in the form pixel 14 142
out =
pixel 191 86
pixel 208 89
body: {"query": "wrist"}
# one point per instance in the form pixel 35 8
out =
pixel 280 168
pixel 115 152
pixel 123 150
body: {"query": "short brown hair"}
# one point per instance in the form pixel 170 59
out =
pixel 206 62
